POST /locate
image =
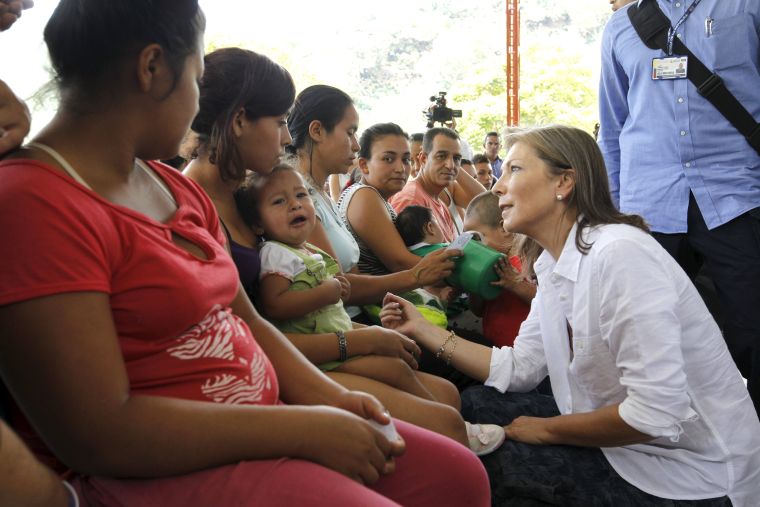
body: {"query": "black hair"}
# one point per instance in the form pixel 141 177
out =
pixel 373 133
pixel 237 78
pixel 323 103
pixel 480 158
pixel 430 135
pixel 247 197
pixel 417 137
pixel 89 39
pixel 411 223
pixel 491 134
pixel 465 161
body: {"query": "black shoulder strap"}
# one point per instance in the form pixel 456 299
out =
pixel 652 26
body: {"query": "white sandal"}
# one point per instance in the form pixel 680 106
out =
pixel 484 438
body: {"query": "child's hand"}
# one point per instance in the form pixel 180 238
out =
pixel 446 293
pixel 401 315
pixel 332 289
pixel 345 287
pixel 509 278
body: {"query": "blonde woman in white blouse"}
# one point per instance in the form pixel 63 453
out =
pixel 648 407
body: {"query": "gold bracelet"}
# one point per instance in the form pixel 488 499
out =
pixel 451 352
pixel 442 348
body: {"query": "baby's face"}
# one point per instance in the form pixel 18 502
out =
pixel 286 211
pixel 492 237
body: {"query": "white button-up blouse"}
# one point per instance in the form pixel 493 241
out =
pixel 641 338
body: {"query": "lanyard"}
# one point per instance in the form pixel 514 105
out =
pixel 672 30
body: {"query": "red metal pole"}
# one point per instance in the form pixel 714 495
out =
pixel 513 63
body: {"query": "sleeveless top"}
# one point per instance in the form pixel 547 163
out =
pixel 341 240
pixel 454 211
pixel 369 263
pixel 248 264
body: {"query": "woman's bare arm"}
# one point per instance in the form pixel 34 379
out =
pixel 465 188
pixel 370 221
pixel 60 358
pixel 600 428
pixel 362 340
pixel 23 479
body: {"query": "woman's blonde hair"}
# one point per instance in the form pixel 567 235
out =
pixel 562 148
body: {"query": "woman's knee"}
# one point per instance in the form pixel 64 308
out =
pixel 459 477
pixel 443 390
pixel 400 371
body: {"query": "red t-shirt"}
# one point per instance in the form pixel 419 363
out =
pixel 414 194
pixel 170 308
pixel 503 316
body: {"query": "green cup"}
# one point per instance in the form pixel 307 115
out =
pixel 474 270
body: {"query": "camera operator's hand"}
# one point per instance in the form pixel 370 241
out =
pixel 10 11
pixel 14 119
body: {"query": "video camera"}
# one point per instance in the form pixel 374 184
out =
pixel 438 111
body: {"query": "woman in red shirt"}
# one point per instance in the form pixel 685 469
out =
pixel 127 340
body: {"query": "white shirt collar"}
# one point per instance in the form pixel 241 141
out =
pixel 418 245
pixel 569 261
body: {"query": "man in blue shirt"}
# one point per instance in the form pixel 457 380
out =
pixel 674 159
pixel 491 147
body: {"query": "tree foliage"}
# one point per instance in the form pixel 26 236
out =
pixel 392 60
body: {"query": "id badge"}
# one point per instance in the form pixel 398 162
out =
pixel 674 67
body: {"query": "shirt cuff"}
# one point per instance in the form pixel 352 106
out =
pixel 653 422
pixel 500 373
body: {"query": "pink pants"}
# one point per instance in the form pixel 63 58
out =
pixel 435 471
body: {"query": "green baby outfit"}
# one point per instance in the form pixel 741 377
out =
pixel 306 271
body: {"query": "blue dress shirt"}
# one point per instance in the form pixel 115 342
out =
pixel 496 167
pixel 660 139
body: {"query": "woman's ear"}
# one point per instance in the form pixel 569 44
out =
pixel 238 122
pixel 316 131
pixel 152 73
pixel 566 183
pixel 363 167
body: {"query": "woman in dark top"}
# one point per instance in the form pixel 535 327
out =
pixel 241 127
pixel 241 124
